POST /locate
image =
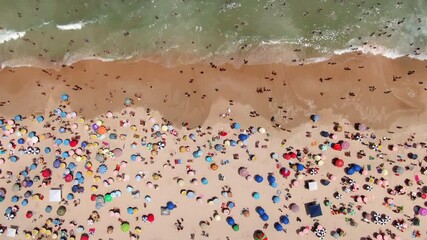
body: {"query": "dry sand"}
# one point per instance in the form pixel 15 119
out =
pixel 379 92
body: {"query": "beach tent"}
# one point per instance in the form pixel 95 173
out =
pixel 314 209
pixel 312 186
pixel 55 195
pixel 12 231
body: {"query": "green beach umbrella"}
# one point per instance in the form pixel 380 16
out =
pixel 236 227
pixel 61 211
pixel 108 198
pixel 125 227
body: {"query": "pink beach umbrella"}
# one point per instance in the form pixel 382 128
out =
pixel 422 211
pixel 345 145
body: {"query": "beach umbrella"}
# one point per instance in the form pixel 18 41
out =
pixel 236 126
pixel 285 172
pixel 356 168
pixel 350 171
pixel 324 134
pixel 361 127
pixel 218 147
pixel 68 178
pixel 246 213
pixel 337 146
pixel 258 178
pixel 117 152
pixel 125 227
pixel 243 137
pixel 61 211
pixel 399 170
pixel 264 217
pixel 284 219
pixel 294 207
pixel 259 235
pixel 236 227
pixel 278 226
pixel 243 172
pixel 315 118
pixel 230 221
pixel 256 195
pixel 300 167
pixel 150 217
pixel 108 198
pixel 260 210
pixel 339 163
pixel 422 211
pixel 46 173
pixel 345 145
pixel 102 169
pixel 276 199
pixel 271 179
pixel 170 205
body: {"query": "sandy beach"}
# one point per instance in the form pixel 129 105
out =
pixel 201 136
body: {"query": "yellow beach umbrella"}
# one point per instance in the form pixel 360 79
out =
pixel 27 236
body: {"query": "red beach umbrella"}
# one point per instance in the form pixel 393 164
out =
pixel 339 163
pixel 46 173
pixel 337 147
pixel 68 178
pixel 287 156
pixel 285 172
pixel 29 214
pixel 223 134
pixel 150 217
pixel 84 237
pixel 293 155
pixel 73 143
pixel 93 197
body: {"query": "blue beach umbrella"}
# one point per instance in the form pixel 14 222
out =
pixel 260 210
pixel 264 217
pixel 350 171
pixel 208 159
pixel 48 209
pixel 56 163
pixel 284 219
pixel 236 126
pixel 278 226
pixel 130 210
pixel 300 167
pixel 102 169
pixel 258 178
pixel 230 221
pixel 65 97
pixel 276 199
pixel 40 119
pixel 315 118
pixel 271 179
pixel 256 195
pixel 70 196
pixel 357 168
pixel 243 137
pixel 24 202
pixel 170 205
pixel 218 147
pixel 15 199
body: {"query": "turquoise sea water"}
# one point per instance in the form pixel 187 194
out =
pixel 272 30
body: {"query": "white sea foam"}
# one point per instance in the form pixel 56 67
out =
pixel 380 50
pixel 71 26
pixel 8 35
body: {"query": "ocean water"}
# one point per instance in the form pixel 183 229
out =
pixel 180 31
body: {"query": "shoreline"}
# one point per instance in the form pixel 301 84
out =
pixel 346 84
